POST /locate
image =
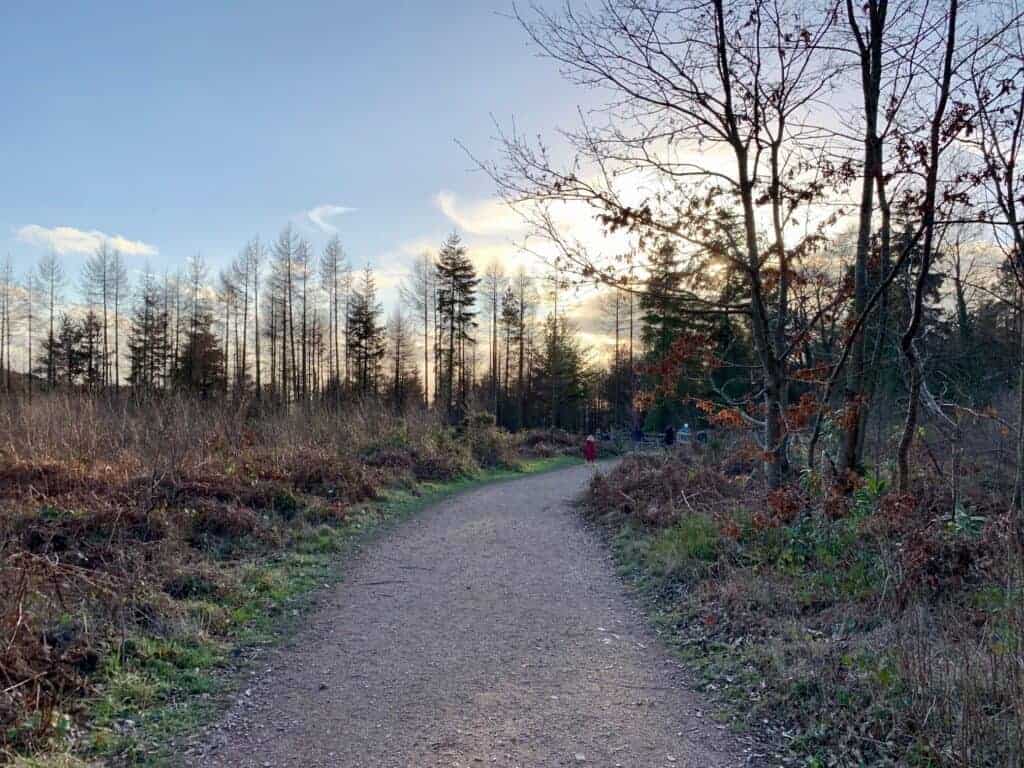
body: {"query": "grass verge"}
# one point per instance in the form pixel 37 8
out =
pixel 857 630
pixel 153 690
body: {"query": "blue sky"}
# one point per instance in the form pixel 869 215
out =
pixel 191 126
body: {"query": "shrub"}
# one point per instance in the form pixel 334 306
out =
pixel 874 628
pixel 134 518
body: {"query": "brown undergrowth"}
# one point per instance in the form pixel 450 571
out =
pixel 129 534
pixel 852 626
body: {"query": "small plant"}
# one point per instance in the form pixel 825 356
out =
pixel 965 524
pixel 867 497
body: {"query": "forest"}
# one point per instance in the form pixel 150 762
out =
pixel 813 256
pixel 284 326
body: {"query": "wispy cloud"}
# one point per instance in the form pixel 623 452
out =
pixel 320 216
pixel 489 217
pixel 65 240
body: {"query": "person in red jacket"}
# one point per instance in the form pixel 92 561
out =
pixel 590 449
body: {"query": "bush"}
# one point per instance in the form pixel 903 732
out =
pixel 872 628
pixel 491 448
pixel 135 517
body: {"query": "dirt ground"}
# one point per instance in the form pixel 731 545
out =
pixel 489 630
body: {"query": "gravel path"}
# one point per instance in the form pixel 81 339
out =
pixel 489 630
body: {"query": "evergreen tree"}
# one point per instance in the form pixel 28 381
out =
pixel 508 324
pixel 149 338
pixel 660 305
pixel 93 351
pixel 61 354
pixel 200 366
pixel 366 339
pixel 559 380
pixel 456 299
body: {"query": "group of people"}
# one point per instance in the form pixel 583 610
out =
pixel 668 440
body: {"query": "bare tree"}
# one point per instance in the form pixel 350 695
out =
pixel 400 352
pixel 30 299
pixel 8 289
pixel 119 288
pixel 227 294
pixel 494 283
pixel 303 264
pixel 526 304
pixel 418 294
pixel 96 287
pixel 742 77
pixel 241 276
pixel 335 278
pixel 941 133
pixel 255 257
pixel 284 287
pixel 51 278
pixel 613 306
pixel 868 24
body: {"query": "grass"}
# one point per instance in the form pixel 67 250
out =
pixel 146 547
pixel 867 635
pixel 164 690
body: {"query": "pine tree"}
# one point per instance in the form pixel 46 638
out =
pixel 560 377
pixel 660 303
pixel 456 299
pixel 200 368
pixel 510 331
pixel 366 340
pixel 200 365
pixel 149 342
pixel 61 354
pixel 94 353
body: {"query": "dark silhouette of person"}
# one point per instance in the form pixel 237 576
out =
pixel 670 436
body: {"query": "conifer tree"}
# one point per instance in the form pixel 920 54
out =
pixel 366 339
pixel 456 299
pixel 149 342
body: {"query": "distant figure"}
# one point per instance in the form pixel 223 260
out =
pixel 670 436
pixel 685 436
pixel 638 435
pixel 590 449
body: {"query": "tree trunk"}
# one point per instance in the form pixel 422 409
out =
pixel 1018 485
pixel 931 183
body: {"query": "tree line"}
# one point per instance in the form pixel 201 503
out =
pixel 282 325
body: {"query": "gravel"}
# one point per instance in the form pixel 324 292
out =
pixel 489 630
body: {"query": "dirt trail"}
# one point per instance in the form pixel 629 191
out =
pixel 489 630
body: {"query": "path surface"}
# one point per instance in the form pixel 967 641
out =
pixel 489 630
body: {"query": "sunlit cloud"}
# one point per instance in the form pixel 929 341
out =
pixel 321 215
pixel 489 217
pixel 69 240
pixel 390 278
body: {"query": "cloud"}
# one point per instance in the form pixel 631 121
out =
pixel 319 216
pixel 489 218
pixel 65 240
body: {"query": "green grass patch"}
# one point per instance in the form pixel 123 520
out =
pixel 154 690
pixel 744 617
